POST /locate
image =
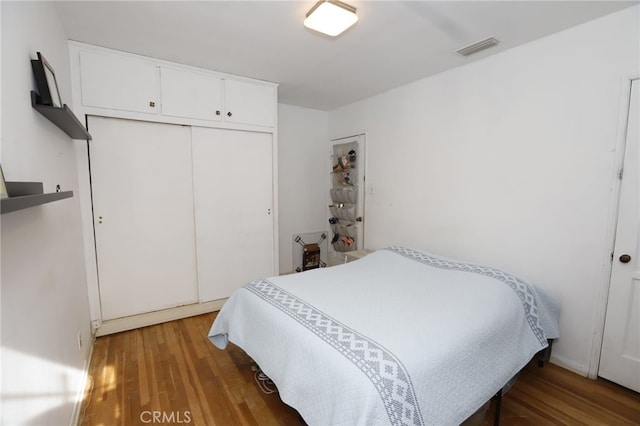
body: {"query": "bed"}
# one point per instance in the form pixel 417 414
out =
pixel 398 337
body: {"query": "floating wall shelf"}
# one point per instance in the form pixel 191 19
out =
pixel 23 195
pixel 62 117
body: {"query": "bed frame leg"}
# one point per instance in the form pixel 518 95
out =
pixel 542 357
pixel 545 354
pixel 496 417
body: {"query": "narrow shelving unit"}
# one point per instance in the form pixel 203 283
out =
pixel 23 195
pixel 62 117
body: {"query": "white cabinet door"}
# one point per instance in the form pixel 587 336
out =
pixel 143 215
pixel 118 82
pixel 249 103
pixel 233 197
pixel 190 94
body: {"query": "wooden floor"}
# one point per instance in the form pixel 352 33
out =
pixel 171 374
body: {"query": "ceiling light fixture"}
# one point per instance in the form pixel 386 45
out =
pixel 331 17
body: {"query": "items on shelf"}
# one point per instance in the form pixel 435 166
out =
pixel 49 103
pixel 3 187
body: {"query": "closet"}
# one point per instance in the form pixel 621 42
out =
pixel 181 214
pixel 143 215
pixel 182 195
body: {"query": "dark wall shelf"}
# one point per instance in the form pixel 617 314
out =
pixel 62 117
pixel 23 195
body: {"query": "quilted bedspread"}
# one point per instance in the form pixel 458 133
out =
pixel 397 337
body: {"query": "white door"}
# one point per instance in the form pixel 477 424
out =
pixel 620 357
pixel 346 208
pixel 143 215
pixel 233 197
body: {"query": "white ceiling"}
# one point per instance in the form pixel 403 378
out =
pixel 394 42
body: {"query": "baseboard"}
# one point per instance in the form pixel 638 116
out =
pixel 143 320
pixel 76 414
pixel 569 365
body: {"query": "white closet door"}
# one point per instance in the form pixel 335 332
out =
pixel 143 215
pixel 233 197
pixel 620 356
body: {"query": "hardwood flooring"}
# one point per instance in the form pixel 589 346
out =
pixel 171 374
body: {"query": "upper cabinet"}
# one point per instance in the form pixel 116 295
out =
pixel 118 82
pixel 191 94
pixel 123 85
pixel 205 96
pixel 249 103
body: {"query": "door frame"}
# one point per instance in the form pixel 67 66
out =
pixel 618 147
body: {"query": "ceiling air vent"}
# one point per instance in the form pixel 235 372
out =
pixel 478 46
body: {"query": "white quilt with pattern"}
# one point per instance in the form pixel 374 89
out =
pixel 400 337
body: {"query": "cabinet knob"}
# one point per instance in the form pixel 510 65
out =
pixel 229 114
pixel 217 112
pixel 152 104
pixel 625 258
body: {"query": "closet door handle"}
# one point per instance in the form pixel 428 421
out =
pixel 217 112
pixel 229 114
pixel 625 258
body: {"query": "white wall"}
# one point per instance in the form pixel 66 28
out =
pixel 508 161
pixel 303 179
pixel 44 294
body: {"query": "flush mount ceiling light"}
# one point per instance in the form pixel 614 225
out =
pixel 331 17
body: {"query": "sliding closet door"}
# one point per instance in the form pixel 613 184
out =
pixel 143 215
pixel 233 197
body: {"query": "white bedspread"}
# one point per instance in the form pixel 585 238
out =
pixel 398 337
